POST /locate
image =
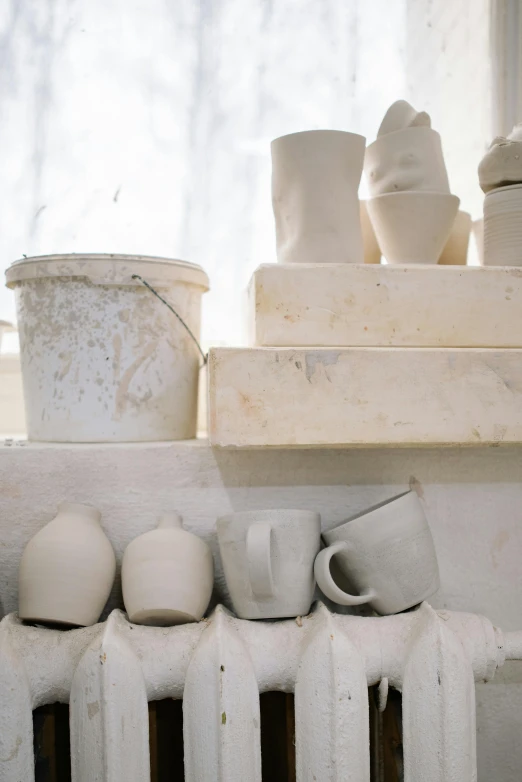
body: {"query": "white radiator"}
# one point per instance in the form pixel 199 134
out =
pixel 110 671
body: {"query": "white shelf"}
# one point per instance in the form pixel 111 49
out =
pixel 348 305
pixel 324 397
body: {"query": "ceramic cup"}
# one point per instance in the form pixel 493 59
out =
pixel 372 251
pixel 386 554
pixel 67 569
pixel 315 183
pixel 268 560
pixel 408 159
pixel 503 226
pixel 412 227
pixel 455 252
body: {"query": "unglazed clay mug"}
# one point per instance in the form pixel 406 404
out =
pixel 386 554
pixel 268 560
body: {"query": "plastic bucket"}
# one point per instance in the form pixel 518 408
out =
pixel 103 359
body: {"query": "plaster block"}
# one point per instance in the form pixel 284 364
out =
pixel 349 305
pixel 297 397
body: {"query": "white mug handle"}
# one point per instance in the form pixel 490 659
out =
pixel 326 583
pixel 259 559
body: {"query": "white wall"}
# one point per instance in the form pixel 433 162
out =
pixel 473 500
pixel 449 73
pixel 144 126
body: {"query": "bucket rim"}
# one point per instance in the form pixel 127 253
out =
pixel 112 268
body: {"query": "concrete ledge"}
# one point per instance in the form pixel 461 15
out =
pixel 346 305
pixel 324 397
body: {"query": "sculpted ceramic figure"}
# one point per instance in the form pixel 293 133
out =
pixel 407 154
pixel 502 164
pixel 315 183
pixel 167 575
pixel 67 569
pixel 411 209
pixel 268 558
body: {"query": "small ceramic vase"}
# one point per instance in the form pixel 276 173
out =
pixel 167 575
pixel 455 252
pixel 67 569
pixel 412 227
pixel 503 226
pixel 408 159
pixel 315 184
pixel 372 251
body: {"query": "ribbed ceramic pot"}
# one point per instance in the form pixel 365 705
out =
pixel 315 184
pixel 67 569
pixel 167 575
pixel 503 226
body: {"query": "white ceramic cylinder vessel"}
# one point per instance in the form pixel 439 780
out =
pixel 167 575
pixel 103 360
pixel 386 553
pixel 315 183
pixel 67 569
pixel 503 226
pixel 408 159
pixel 455 252
pixel 412 227
pixel 268 559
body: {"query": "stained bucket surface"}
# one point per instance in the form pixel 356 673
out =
pixel 103 359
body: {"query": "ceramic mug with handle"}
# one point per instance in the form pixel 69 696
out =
pixel 386 553
pixel 268 560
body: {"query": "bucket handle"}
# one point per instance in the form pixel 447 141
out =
pixel 178 316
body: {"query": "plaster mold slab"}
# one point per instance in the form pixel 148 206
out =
pixel 385 306
pixel 324 397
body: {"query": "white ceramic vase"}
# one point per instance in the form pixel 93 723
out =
pixel 372 251
pixel 408 159
pixel 503 226
pixel 167 575
pixel 477 228
pixel 315 183
pixel 67 569
pixel 412 227
pixel 268 561
pixel 455 252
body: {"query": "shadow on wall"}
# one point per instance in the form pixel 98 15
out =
pixel 390 467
